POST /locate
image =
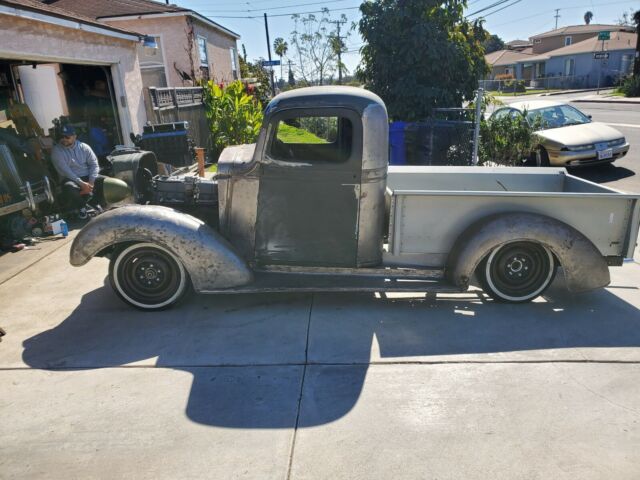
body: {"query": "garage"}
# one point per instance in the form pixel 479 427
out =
pixel 59 68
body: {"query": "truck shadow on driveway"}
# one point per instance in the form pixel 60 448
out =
pixel 248 353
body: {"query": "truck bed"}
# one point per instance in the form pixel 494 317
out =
pixel 429 207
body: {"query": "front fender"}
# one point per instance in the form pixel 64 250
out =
pixel 210 260
pixel 584 266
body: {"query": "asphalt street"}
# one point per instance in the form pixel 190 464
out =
pixel 623 174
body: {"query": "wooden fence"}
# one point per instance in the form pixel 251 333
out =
pixel 182 104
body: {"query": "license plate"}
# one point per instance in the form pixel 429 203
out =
pixel 604 154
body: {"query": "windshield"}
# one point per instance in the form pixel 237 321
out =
pixel 557 116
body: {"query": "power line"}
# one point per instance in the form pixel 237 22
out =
pixel 284 14
pixel 267 9
pixel 506 6
pixel 496 4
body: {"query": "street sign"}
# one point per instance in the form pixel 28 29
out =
pixel 270 63
pixel 601 56
pixel 604 36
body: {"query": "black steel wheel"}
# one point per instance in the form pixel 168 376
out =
pixel 541 157
pixel 148 276
pixel 517 272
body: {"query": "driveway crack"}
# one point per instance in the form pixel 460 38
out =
pixel 304 374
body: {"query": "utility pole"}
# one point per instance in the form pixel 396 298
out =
pixel 557 16
pixel 266 27
pixel 339 38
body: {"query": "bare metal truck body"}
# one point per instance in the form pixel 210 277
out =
pixel 322 211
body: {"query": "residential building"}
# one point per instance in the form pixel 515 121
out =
pixel 567 57
pixel 565 36
pixel 61 63
pixel 190 46
pixel 585 64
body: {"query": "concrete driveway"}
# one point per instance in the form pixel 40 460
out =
pixel 316 386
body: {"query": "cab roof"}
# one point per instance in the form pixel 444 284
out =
pixel 330 96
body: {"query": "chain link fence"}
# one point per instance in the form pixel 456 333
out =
pixel 449 137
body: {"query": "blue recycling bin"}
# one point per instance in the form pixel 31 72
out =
pixel 397 146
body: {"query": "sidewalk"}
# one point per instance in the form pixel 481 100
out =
pixel 335 386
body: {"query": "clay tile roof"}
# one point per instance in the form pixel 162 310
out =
pixel 59 12
pixel 115 8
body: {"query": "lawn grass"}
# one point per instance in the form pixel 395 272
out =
pixel 289 134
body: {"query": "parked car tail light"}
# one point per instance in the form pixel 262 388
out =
pixel 580 148
pixel 615 143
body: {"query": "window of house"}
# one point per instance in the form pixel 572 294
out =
pixel 234 64
pixel 202 52
pixel 539 70
pixel 537 40
pixel 152 66
pixel 567 41
pixel 312 139
pixel 569 66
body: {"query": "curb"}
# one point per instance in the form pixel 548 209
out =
pixel 619 102
pixel 567 92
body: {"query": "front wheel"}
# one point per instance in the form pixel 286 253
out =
pixel 148 276
pixel 517 272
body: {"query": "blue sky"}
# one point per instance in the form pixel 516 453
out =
pixel 520 20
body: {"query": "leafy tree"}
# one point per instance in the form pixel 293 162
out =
pixel 493 44
pixel 626 19
pixel 281 47
pixel 588 16
pixel 420 55
pixel 234 116
pixel 315 48
pixel 257 75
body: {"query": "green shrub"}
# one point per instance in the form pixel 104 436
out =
pixel 506 141
pixel 631 87
pixel 234 116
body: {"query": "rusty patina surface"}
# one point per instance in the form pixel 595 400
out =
pixel 584 267
pixel 210 260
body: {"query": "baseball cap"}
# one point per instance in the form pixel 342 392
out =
pixel 68 130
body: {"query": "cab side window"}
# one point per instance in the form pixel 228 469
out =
pixel 312 139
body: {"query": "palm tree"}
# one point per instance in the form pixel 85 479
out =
pixel 587 17
pixel 280 47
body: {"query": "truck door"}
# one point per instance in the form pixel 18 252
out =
pixel 310 189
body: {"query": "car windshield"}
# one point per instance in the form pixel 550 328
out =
pixel 557 116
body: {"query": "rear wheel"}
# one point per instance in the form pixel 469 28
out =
pixel 148 276
pixel 517 272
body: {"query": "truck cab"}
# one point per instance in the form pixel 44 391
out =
pixel 310 192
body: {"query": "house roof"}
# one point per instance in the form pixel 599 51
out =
pixel 577 29
pixel 507 57
pixel 37 6
pixel 518 43
pixel 619 41
pixel 111 10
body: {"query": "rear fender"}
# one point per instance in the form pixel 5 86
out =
pixel 210 260
pixel 584 266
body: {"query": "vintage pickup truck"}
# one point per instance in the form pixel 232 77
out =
pixel 313 206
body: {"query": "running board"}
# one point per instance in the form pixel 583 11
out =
pixel 265 282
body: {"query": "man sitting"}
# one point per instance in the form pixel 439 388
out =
pixel 78 168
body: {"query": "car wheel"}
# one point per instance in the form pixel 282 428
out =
pixel 517 272
pixel 148 276
pixel 541 157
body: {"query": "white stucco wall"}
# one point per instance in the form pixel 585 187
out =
pixel 27 39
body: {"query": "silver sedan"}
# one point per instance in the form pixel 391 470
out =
pixel 568 137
